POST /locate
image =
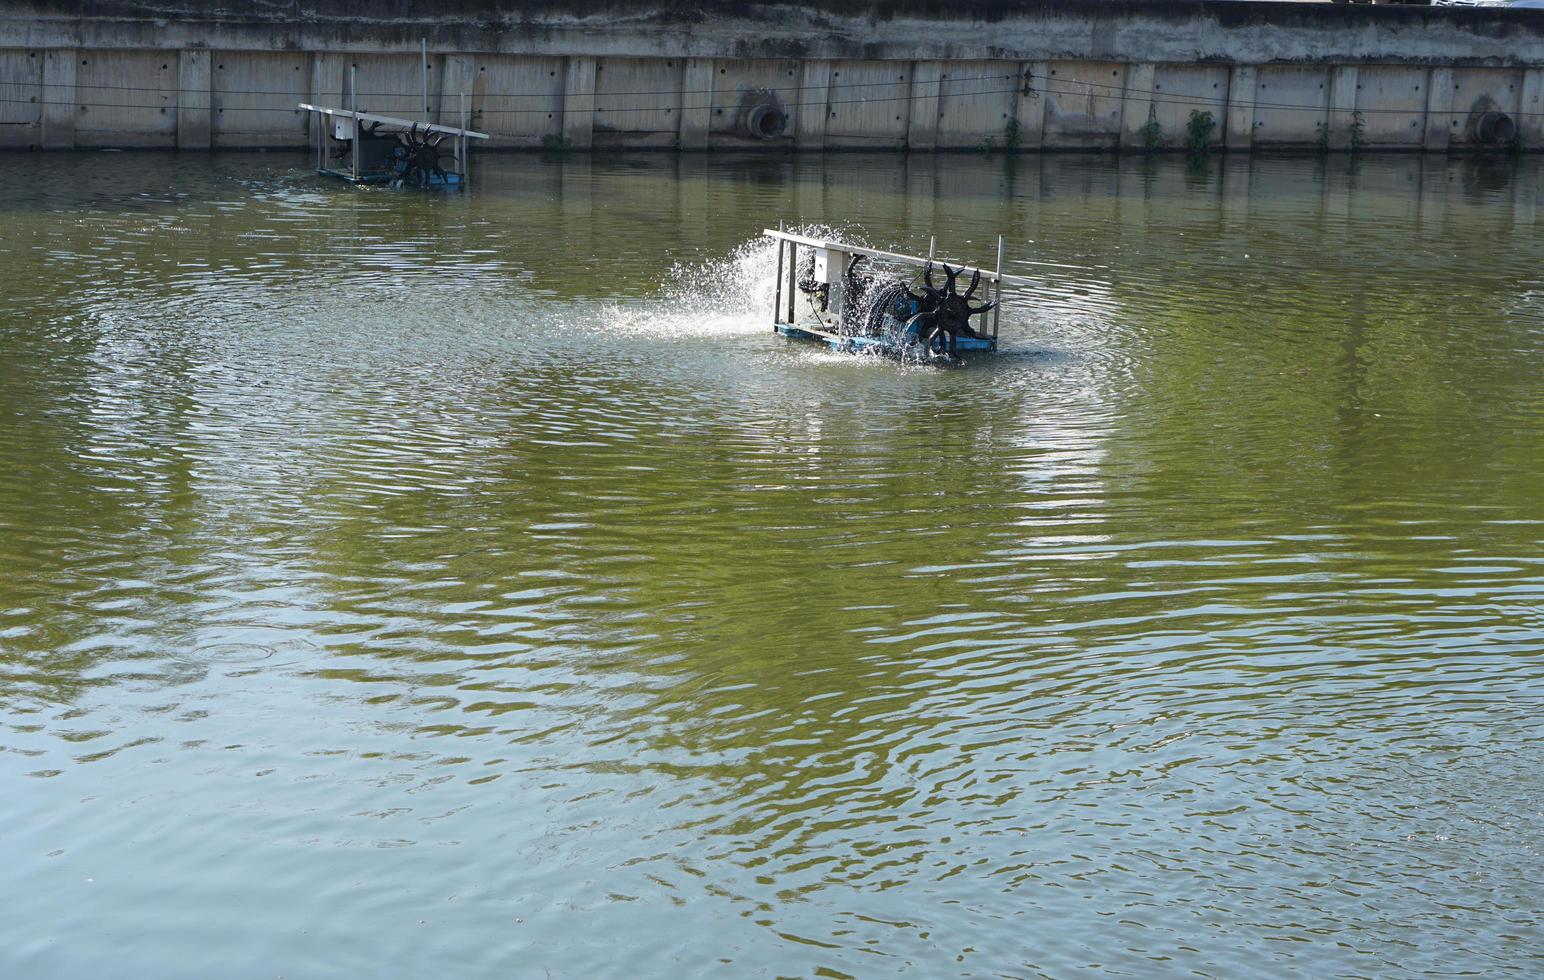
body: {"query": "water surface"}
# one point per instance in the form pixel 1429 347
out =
pixel 473 585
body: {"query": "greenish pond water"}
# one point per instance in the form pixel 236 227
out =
pixel 398 585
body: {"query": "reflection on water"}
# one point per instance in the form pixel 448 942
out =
pixel 411 583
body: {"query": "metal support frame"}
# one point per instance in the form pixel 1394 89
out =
pixel 995 277
pixel 461 160
pixel 353 106
pixel 990 275
pixel 392 120
pixel 777 281
pixel 325 115
pixel 997 311
pixel 793 276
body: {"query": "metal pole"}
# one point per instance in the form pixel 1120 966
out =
pixel 466 167
pixel 932 246
pixel 353 107
pixel 793 277
pixel 318 121
pixel 777 283
pixel 997 311
pixel 423 48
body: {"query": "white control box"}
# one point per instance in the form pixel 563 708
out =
pixel 829 266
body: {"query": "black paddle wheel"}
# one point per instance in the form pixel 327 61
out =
pixel 416 159
pixel 944 314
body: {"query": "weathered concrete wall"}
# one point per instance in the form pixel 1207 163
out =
pixel 1078 74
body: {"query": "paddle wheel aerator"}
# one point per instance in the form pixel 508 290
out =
pixel 877 310
pixel 369 148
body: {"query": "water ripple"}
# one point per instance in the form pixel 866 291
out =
pixel 480 573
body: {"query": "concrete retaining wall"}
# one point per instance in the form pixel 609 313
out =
pixel 907 73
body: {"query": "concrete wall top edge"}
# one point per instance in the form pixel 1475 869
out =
pixel 1235 31
pixel 1229 12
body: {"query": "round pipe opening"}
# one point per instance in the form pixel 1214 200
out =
pixel 1496 127
pixel 766 122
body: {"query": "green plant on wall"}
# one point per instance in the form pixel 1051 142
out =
pixel 1013 135
pixel 1321 139
pixel 1152 134
pixel 1198 131
pixel 1356 130
pixel 560 144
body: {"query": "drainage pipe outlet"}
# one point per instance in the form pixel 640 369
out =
pixel 764 119
pixel 1495 127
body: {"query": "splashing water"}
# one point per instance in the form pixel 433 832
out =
pixel 734 294
pixel 731 294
